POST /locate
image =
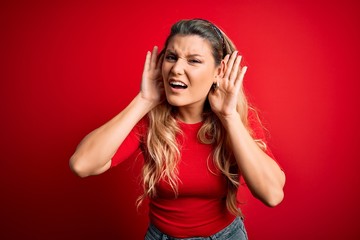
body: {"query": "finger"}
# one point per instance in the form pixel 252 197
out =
pixel 225 61
pixel 230 64
pixel 159 63
pixel 147 61
pixel 235 71
pixel 153 57
pixel 240 77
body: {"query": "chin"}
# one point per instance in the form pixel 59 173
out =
pixel 175 101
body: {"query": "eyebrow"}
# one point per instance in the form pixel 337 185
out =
pixel 190 55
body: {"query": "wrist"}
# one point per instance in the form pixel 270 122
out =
pixel 145 103
pixel 230 120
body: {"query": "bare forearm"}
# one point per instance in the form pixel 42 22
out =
pixel 262 174
pixel 93 154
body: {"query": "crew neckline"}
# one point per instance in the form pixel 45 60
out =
pixel 191 125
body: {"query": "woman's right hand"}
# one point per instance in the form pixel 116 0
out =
pixel 152 86
pixel 95 152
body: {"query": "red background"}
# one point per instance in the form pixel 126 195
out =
pixel 67 67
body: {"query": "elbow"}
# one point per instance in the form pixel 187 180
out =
pixel 271 198
pixel 274 199
pixel 273 195
pixel 276 195
pixel 78 167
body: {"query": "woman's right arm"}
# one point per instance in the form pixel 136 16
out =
pixel 93 154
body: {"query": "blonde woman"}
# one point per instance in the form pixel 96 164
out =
pixel 198 136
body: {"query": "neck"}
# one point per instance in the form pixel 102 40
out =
pixel 190 114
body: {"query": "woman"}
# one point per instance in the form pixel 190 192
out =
pixel 198 135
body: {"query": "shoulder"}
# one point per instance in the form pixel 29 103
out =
pixel 141 128
pixel 258 131
pixel 255 123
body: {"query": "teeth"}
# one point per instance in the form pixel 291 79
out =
pixel 178 84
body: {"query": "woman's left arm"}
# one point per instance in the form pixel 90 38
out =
pixel 261 173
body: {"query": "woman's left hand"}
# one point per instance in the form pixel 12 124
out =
pixel 224 98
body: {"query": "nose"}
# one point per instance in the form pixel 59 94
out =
pixel 178 68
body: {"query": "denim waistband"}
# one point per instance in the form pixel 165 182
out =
pixel 235 230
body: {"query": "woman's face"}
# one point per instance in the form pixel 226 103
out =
pixel 188 70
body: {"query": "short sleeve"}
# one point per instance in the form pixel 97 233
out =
pixel 131 143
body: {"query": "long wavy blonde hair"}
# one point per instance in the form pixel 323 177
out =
pixel 162 153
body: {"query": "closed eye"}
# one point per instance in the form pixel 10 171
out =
pixel 171 57
pixel 194 61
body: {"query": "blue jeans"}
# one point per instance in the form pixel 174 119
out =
pixel 235 231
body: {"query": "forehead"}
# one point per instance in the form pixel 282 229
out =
pixel 189 44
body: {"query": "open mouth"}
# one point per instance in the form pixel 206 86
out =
pixel 178 85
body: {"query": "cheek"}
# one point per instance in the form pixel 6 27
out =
pixel 203 87
pixel 207 81
pixel 164 71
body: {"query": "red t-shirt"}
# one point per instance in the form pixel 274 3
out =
pixel 200 208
